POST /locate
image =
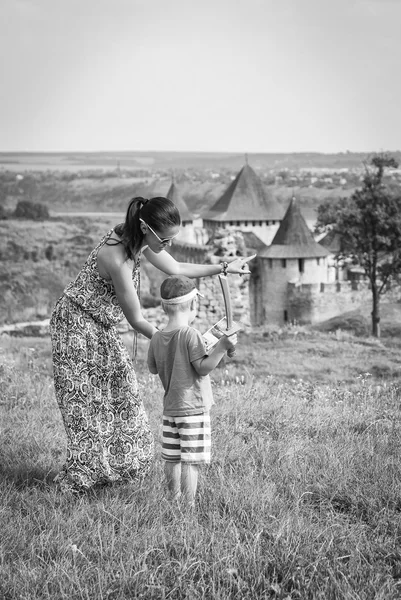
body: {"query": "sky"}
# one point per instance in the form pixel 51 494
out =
pixel 200 75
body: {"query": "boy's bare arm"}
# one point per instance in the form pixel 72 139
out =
pixel 151 362
pixel 206 364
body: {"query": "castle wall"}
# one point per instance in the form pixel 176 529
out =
pixel 313 303
pixel 211 306
pixel 190 253
pixel 192 232
pixel 276 292
pixel 337 270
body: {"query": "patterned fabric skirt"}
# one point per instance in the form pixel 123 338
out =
pixel 108 434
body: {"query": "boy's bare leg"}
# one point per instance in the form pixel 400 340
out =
pixel 172 471
pixel 189 482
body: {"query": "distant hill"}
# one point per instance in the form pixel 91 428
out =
pixel 180 160
pixel 39 258
pixel 109 190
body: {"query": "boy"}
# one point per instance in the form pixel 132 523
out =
pixel 178 355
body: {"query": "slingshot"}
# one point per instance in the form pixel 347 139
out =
pixel 226 326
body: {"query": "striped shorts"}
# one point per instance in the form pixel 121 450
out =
pixel 186 439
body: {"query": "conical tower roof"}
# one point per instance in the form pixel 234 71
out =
pixel 174 195
pixel 245 199
pixel 294 239
pixel 332 241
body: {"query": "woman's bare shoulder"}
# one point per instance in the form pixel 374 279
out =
pixel 112 257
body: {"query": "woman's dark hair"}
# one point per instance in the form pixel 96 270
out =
pixel 160 213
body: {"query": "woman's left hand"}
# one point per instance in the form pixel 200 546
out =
pixel 240 265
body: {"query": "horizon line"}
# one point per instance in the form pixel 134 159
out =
pixel 231 153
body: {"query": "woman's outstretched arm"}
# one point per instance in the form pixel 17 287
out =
pixel 167 264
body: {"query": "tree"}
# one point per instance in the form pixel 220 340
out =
pixel 31 210
pixel 369 226
pixel 3 213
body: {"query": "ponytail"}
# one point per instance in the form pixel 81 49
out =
pixel 159 213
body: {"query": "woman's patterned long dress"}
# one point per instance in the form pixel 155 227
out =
pixel 108 435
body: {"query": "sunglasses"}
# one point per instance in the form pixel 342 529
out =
pixel 162 241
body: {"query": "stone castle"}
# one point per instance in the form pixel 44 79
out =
pixel 294 278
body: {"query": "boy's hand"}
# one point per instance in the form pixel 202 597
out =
pixel 228 343
pixel 232 339
pixel 208 362
pixel 231 351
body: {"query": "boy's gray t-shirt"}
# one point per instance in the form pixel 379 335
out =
pixel 170 356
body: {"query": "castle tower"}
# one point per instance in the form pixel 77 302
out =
pixel 294 258
pixel 174 195
pixel 245 205
pixel 191 228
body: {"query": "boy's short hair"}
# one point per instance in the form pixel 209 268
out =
pixel 177 289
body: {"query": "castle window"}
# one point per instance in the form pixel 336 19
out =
pixel 285 316
pixel 260 223
pixel 270 263
pixel 284 262
pixel 318 261
pixel 238 223
pixel 322 287
pixel 253 223
pixel 301 265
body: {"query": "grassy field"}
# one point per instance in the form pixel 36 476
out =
pixel 302 499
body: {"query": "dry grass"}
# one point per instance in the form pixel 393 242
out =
pixel 302 499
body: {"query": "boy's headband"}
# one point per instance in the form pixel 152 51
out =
pixel 180 299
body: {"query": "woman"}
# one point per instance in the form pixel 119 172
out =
pixel 108 435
